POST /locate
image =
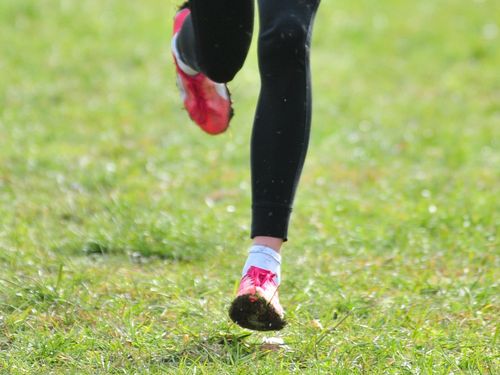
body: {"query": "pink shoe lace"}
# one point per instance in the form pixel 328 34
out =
pixel 260 283
pixel 259 276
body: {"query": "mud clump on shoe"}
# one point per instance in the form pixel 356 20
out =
pixel 254 312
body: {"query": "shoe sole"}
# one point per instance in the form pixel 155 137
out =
pixel 253 312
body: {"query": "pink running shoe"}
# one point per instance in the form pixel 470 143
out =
pixel 208 103
pixel 256 305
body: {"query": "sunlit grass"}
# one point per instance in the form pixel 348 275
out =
pixel 123 228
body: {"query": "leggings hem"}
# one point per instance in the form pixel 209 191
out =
pixel 271 221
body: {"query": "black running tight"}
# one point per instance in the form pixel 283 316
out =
pixel 215 41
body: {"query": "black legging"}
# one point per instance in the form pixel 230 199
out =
pixel 215 41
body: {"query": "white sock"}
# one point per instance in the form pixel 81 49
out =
pixel 266 258
pixel 184 67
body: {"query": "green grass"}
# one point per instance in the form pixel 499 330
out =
pixel 123 228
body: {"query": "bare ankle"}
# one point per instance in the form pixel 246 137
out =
pixel 272 242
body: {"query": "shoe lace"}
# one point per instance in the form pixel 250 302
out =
pixel 260 277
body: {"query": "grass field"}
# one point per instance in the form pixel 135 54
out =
pixel 123 228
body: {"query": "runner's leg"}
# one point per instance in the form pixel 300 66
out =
pixel 282 121
pixel 216 37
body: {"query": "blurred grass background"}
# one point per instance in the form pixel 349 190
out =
pixel 123 228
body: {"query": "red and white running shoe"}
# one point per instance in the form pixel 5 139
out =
pixel 257 305
pixel 207 102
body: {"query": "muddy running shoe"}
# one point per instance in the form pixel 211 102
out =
pixel 256 305
pixel 208 103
